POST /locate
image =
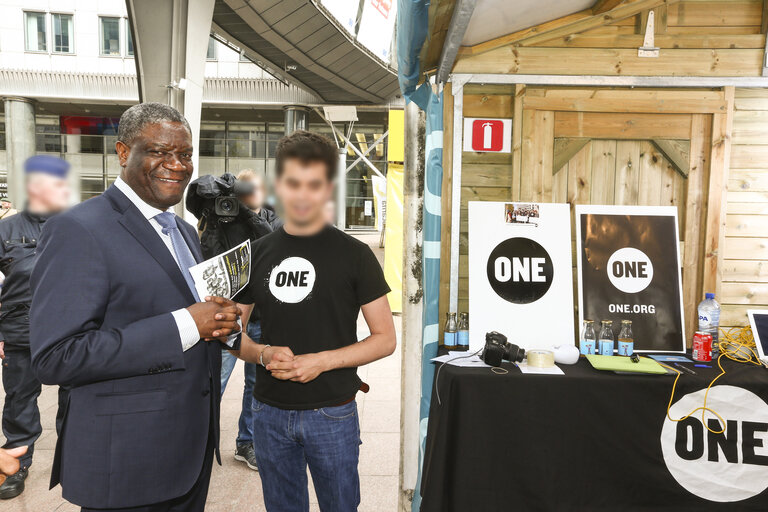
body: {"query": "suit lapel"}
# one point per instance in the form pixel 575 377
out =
pixel 135 223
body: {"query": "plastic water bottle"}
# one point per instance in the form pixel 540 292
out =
pixel 709 320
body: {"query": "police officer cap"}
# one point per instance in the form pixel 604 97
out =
pixel 47 164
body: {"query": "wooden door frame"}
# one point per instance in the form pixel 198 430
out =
pixel 533 120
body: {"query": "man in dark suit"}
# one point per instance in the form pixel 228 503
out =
pixel 115 317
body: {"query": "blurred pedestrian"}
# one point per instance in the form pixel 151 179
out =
pixel 48 193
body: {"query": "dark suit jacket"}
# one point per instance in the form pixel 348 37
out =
pixel 141 411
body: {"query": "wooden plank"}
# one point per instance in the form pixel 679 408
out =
pixel 616 39
pixel 479 175
pixel 445 205
pixel 625 102
pixel 579 177
pixel 746 225
pixel 745 271
pixel 651 168
pixel 517 140
pixel 735 208
pixel 545 139
pixel 722 125
pixel 488 105
pixel 744 293
pixel 602 6
pixel 619 13
pixel 695 212
pixel 603 171
pixel 746 248
pixel 565 149
pixel 755 180
pixel 710 14
pixel 560 185
pixel 677 152
pixel 600 125
pixel 749 157
pixel 612 62
pixel 627 172
pixel 528 155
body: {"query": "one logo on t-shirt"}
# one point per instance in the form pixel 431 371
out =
pixel 292 280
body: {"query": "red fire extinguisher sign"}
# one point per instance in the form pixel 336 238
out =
pixel 487 135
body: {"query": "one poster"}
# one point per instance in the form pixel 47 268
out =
pixel 487 135
pixel 520 273
pixel 224 275
pixel 628 260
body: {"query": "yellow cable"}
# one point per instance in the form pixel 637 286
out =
pixel 736 344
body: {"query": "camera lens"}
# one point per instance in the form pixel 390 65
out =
pixel 226 205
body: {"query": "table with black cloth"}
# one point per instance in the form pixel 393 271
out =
pixel 588 440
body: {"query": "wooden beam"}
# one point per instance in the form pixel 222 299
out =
pixel 764 30
pixel 445 204
pixel 617 14
pixel 674 41
pixel 625 105
pixel 599 125
pixel 677 152
pixel 614 62
pixel 722 126
pixel 565 149
pixel 517 140
pixel 602 6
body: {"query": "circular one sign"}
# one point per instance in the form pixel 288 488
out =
pixel 731 466
pixel 292 280
pixel 520 270
pixel 630 270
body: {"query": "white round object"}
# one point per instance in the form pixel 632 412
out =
pixel 566 354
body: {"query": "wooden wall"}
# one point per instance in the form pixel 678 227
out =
pixel 745 265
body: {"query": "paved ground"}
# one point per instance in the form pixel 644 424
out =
pixel 234 487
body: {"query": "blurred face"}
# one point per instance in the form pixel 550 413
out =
pixel 46 193
pixel 303 189
pixel 255 199
pixel 158 163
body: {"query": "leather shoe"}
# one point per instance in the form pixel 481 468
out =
pixel 13 485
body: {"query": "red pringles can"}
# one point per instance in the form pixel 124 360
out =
pixel 702 346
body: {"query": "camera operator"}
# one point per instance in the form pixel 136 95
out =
pixel 262 220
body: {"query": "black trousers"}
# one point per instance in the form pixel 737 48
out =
pixel 21 415
pixel 193 501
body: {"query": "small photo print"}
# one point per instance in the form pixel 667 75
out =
pixel 521 213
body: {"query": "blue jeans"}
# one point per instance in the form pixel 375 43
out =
pixel 327 439
pixel 244 424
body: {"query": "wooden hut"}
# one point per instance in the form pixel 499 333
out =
pixel 595 121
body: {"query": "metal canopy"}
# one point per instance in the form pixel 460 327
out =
pixel 297 41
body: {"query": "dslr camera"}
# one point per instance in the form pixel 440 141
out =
pixel 498 349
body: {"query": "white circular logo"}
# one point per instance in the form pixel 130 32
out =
pixel 630 270
pixel 292 280
pixel 726 467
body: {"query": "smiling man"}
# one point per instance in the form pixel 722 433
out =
pixel 116 318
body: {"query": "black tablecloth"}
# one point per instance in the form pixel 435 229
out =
pixel 589 440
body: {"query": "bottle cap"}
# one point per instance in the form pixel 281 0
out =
pixel 709 295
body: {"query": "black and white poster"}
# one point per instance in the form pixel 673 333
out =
pixel 629 269
pixel 224 275
pixel 520 273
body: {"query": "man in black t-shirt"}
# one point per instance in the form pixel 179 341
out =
pixel 309 281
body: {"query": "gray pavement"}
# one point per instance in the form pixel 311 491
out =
pixel 234 487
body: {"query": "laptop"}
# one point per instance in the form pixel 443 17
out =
pixel 758 320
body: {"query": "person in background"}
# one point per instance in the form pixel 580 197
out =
pixel 47 194
pixel 309 282
pixel 269 221
pixel 6 209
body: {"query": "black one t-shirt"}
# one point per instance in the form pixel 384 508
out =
pixel 308 290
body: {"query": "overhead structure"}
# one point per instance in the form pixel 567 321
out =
pixel 301 42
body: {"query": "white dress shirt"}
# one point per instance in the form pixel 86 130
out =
pixel 184 322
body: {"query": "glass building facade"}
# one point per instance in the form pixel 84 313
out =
pixel 88 143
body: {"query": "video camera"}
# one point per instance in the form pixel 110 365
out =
pixel 216 197
pixel 498 349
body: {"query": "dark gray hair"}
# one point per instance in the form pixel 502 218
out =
pixel 138 116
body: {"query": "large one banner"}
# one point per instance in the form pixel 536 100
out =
pixel 520 273
pixel 629 269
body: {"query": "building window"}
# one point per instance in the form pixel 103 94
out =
pixel 35 33
pixel 211 55
pixel 128 39
pixel 110 36
pixel 62 33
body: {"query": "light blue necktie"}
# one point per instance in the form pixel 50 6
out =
pixel 184 255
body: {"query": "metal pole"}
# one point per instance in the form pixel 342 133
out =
pixel 341 190
pixel 20 145
pixel 295 118
pixel 458 113
pixel 413 201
